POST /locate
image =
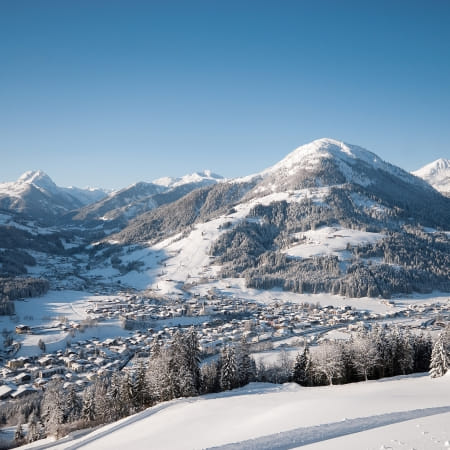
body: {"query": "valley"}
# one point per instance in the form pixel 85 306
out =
pixel 328 247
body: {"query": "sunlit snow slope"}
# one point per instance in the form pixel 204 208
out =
pixel 408 412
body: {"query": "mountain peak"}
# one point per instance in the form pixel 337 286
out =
pixel 436 173
pixel 39 178
pixel 309 156
pixel 433 168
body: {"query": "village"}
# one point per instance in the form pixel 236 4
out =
pixel 218 320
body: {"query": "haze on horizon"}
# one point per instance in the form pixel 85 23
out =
pixel 107 94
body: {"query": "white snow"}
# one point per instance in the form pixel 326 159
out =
pixel 414 409
pixel 197 177
pixel 437 174
pixel 330 241
pixel 48 311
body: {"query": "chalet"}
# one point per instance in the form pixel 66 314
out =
pixel 23 329
pixel 23 391
pixel 5 391
pixel 47 373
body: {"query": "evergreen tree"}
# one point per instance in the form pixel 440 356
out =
pixel 210 378
pixel 423 347
pixel 192 357
pixel 229 378
pixel 440 357
pixel 301 372
pixel 245 364
pixel 53 407
pixel 88 412
pixel 73 406
pixel 142 393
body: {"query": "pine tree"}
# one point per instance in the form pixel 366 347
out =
pixel 440 357
pixel 423 347
pixel 301 372
pixel 142 394
pixel 229 378
pixel 245 364
pixel 192 357
pixel 406 353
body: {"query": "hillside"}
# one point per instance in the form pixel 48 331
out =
pixel 397 413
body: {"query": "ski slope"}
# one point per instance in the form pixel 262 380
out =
pixel 399 413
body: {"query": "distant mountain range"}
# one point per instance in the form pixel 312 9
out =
pixel 138 198
pixel 36 196
pixel 329 217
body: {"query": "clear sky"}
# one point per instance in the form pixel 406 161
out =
pixel 106 93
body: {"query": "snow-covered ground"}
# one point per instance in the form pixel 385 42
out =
pixel 52 309
pixel 330 241
pixel 398 413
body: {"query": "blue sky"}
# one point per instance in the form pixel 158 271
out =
pixel 106 93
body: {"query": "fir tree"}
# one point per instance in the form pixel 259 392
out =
pixel 229 378
pixel 440 357
pixel 301 372
pixel 245 364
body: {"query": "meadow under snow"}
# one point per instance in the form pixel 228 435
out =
pixel 411 412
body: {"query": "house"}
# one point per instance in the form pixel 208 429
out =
pixel 23 329
pixel 5 391
pixel 23 391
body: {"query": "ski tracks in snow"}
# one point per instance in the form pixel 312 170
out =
pixel 310 435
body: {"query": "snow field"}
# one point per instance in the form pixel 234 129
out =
pixel 288 416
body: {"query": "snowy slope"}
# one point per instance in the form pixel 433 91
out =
pixel 437 174
pixel 403 412
pixel 187 257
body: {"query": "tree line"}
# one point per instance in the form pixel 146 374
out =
pixel 174 369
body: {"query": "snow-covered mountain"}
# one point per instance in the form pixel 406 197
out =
pixel 36 195
pixel 326 162
pixel 437 174
pixel 314 222
pixel 142 197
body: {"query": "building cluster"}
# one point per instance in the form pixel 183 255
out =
pixel 219 321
